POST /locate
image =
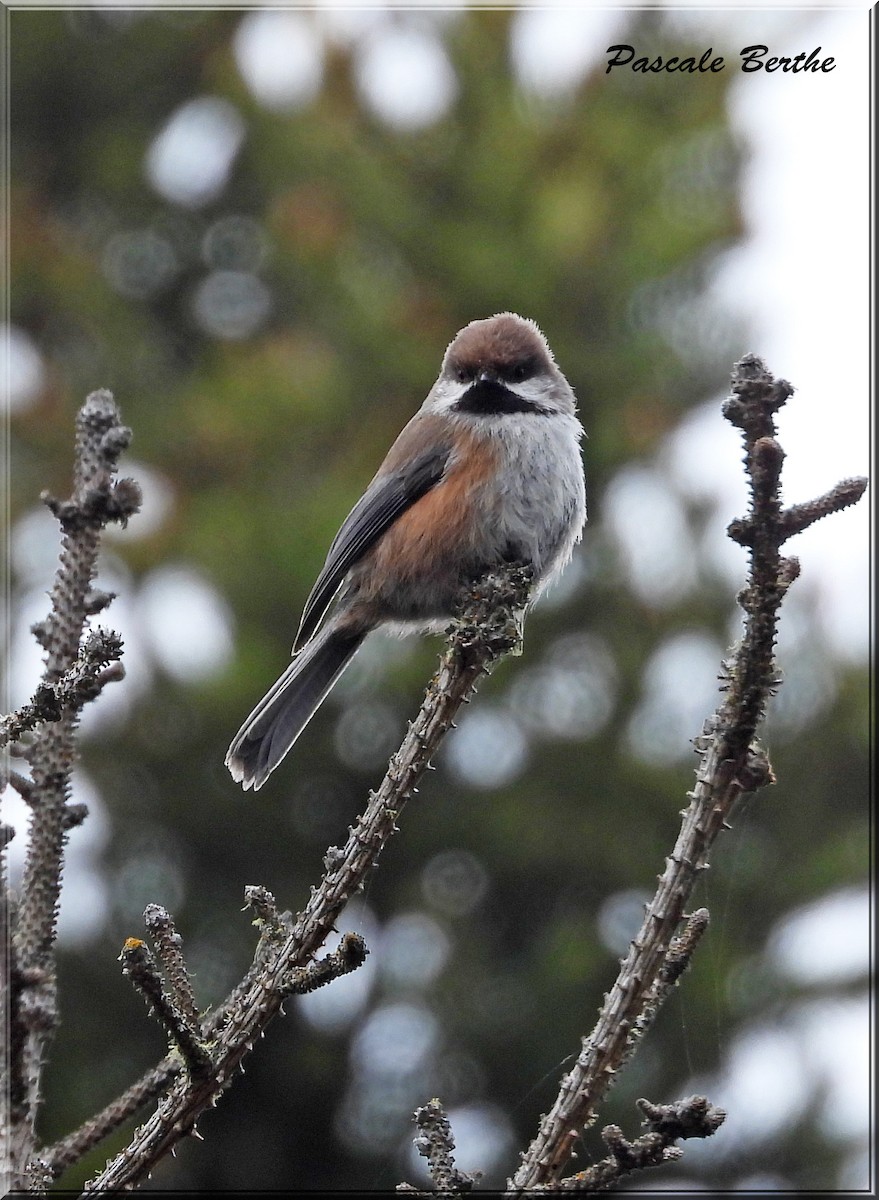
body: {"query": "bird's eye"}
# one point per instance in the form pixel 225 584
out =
pixel 461 374
pixel 522 371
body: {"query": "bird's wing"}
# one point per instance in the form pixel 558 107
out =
pixel 386 498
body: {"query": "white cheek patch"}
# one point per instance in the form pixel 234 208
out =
pixel 446 394
pixel 533 391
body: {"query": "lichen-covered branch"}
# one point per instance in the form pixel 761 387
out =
pixel 436 1143
pixel 70 677
pixel 731 763
pixel 347 957
pixel 97 664
pixel 666 1124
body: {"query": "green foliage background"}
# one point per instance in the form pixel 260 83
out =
pixel 603 218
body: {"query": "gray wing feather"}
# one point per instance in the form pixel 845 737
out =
pixel 386 498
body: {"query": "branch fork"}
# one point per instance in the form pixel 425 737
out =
pixel 284 958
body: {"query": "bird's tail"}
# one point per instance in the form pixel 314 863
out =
pixel 288 706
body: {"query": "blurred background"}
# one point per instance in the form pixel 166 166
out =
pixel 260 229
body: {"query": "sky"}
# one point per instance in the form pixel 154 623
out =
pixel 804 277
pixel 800 280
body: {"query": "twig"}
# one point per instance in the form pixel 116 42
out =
pixel 96 500
pixel 695 1117
pixel 489 627
pixel 435 1142
pixel 677 960
pixel 139 966
pixel 347 957
pixel 731 764
pixel 169 947
pixel 57 1158
pixel 53 1161
pixel 269 920
pixel 96 665
pixel 22 785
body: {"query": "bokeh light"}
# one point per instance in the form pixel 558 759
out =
pixel 571 693
pixel 680 687
pixel 367 734
pixel 454 882
pixel 414 949
pixel 647 522
pixel 22 372
pixel 187 622
pixel 139 263
pixel 231 304
pixel 190 159
pixel 489 748
pixel 280 57
pixel 825 941
pixel 553 48
pixel 405 77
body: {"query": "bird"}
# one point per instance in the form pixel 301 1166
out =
pixel 488 471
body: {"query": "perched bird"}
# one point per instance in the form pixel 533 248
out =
pixel 487 471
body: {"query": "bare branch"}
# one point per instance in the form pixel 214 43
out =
pixel 625 1158
pixel 274 928
pixel 695 1117
pixel 21 783
pixel 57 1158
pixel 683 947
pixel 677 960
pixel 730 763
pixel 800 516
pixel 97 499
pixel 271 922
pixel 489 627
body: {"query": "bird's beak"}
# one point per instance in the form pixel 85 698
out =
pixel 487 375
